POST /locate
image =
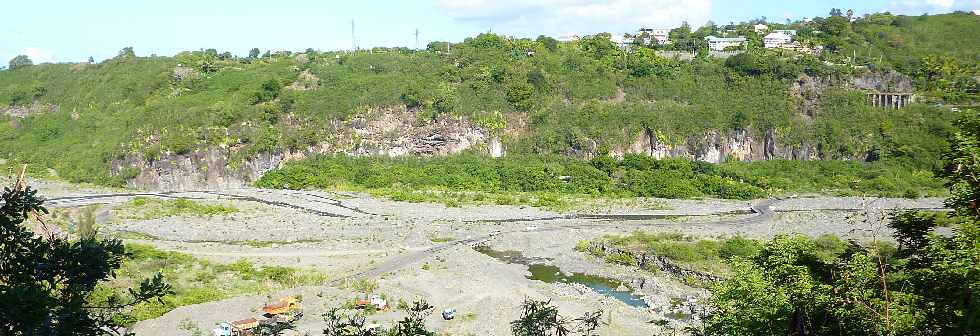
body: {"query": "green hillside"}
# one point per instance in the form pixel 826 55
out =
pixel 541 96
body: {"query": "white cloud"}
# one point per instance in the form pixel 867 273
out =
pixel 38 55
pixel 563 17
pixel 940 3
pixel 916 7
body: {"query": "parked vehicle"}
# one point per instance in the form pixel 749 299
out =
pixel 284 310
pixel 282 306
pixel 448 314
pixel 236 328
pixel 373 301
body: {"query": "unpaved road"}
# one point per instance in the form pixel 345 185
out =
pixel 351 236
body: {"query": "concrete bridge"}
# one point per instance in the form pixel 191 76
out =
pixel 895 100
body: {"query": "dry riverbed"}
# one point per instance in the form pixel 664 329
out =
pixel 427 251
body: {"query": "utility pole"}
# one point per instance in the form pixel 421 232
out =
pixel 353 41
pixel 416 39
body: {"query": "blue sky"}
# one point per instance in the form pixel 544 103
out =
pixel 72 30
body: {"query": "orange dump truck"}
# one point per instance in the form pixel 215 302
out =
pixel 282 306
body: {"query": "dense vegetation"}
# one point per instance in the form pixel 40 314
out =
pixel 706 255
pixel 795 285
pixel 490 181
pixel 541 96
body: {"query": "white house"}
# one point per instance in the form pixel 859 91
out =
pixel 776 40
pixel 759 28
pixel 720 43
pixel 790 32
pixel 568 38
pixel 661 35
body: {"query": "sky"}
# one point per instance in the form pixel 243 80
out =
pixel 73 30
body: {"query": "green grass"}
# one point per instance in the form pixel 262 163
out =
pixel 150 208
pixel 441 239
pixel 707 255
pixel 196 280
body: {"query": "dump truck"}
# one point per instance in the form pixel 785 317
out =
pixel 236 328
pixel 284 305
pixel 284 310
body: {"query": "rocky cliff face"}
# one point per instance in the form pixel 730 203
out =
pixel 717 147
pixel 392 131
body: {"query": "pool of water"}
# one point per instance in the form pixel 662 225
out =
pixel 552 274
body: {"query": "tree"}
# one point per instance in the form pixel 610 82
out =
pixel 540 318
pixel 341 323
pixel 19 61
pixel 345 323
pixel 681 32
pixel 414 323
pixel 91 60
pixel 254 53
pixel 275 328
pixel 47 281
pixel 599 46
pixel 437 46
pixel 519 95
pixel 548 42
pixel 126 52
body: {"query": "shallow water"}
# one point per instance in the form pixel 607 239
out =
pixel 552 274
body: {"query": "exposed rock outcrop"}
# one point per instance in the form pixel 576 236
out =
pixel 21 111
pixel 717 147
pixel 882 81
pixel 393 131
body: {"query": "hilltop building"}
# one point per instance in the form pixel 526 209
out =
pixel 661 35
pixel 790 32
pixel 569 38
pixel 720 43
pixel 776 39
pixel 760 28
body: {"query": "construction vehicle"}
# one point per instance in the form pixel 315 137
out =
pixel 374 301
pixel 282 311
pixel 281 306
pixel 236 328
pixel 286 309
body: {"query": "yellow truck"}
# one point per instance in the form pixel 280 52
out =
pixel 236 328
pixel 284 305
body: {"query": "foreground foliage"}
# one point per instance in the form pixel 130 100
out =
pixel 541 318
pixel 928 286
pixel 48 283
pixel 341 322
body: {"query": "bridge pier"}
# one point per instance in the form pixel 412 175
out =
pixel 895 100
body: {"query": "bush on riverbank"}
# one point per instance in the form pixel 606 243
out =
pixel 541 180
